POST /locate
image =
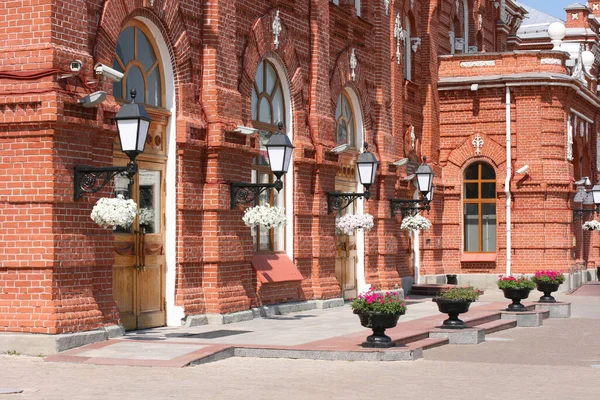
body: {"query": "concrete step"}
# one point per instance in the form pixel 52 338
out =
pixel 428 343
pixel 497 325
pixel 475 322
pixel 404 340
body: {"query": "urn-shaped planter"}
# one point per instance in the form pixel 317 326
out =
pixel 547 288
pixel 453 308
pixel 516 295
pixel 378 322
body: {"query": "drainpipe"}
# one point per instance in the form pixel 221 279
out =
pixel 507 185
pixel 416 249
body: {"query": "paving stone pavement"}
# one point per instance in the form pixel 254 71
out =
pixel 560 360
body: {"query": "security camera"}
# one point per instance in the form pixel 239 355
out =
pixel 92 99
pixel 244 130
pixel 75 65
pixel 108 72
pixel 409 177
pixel 340 149
pixel 523 170
pixel 401 162
pixel 585 181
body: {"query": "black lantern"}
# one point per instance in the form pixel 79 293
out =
pixel 133 124
pixel 279 149
pixel 596 195
pixel 366 169
pixel 424 176
pixel 586 197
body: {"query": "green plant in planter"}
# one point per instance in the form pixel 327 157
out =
pixel 390 303
pixel 510 282
pixel 461 293
pixel 548 277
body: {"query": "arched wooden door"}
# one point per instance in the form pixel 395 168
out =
pixel 140 266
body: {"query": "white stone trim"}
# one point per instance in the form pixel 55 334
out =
pixel 175 314
pixel 471 64
pixel 551 61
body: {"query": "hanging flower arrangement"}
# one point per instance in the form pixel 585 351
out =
pixel 350 222
pixel 114 212
pixel 418 222
pixel 265 216
pixel 591 226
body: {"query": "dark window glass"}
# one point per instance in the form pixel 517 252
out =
pixel 488 190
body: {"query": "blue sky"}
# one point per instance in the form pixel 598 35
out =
pixel 552 7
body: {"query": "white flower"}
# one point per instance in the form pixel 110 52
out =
pixel 591 225
pixel 265 216
pixel 415 223
pixel 146 216
pixel 113 212
pixel 349 222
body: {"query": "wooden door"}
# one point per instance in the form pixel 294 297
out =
pixel 346 258
pixel 139 269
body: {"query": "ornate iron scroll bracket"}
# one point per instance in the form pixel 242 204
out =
pixel 337 201
pixel 93 179
pixel 408 207
pixel 243 193
pixel 580 214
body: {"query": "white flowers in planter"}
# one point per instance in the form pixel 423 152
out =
pixel 591 226
pixel 114 212
pixel 265 216
pixel 146 216
pixel 415 223
pixel 349 222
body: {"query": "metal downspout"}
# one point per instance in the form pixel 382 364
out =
pixel 507 185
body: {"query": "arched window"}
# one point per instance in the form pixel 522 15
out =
pixel 479 208
pixel 345 121
pixel 407 50
pixel 136 58
pixel 268 109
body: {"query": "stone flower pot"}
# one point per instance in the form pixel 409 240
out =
pixel 516 295
pixel 453 308
pixel 547 288
pixel 378 322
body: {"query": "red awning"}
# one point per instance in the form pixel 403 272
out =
pixel 272 268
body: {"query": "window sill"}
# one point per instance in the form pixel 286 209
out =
pixel 272 268
pixel 478 257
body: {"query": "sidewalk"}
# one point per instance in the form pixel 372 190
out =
pixel 328 334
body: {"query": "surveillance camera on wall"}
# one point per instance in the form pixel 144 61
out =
pixel 75 65
pixel 93 99
pixel 401 162
pixel 244 130
pixel 108 72
pixel 523 170
pixel 585 181
pixel 340 149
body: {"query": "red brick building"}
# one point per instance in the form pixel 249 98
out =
pixel 446 79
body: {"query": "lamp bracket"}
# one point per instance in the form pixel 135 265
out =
pixel 243 193
pixel 93 179
pixel 408 207
pixel 337 201
pixel 580 213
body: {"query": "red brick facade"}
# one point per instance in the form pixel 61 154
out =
pixel 56 264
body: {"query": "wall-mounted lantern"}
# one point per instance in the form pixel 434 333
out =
pixel 366 168
pixel 424 177
pixel 279 150
pixel 133 123
pixel 587 197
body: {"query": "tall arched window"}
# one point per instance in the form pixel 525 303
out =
pixel 407 50
pixel 479 208
pixel 345 121
pixel 268 109
pixel 136 58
